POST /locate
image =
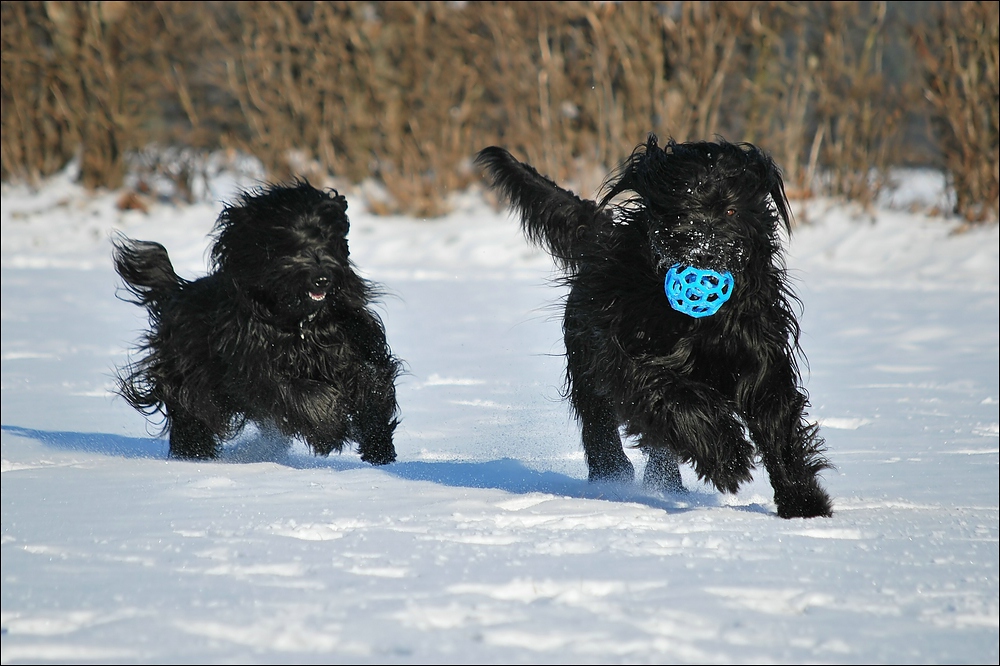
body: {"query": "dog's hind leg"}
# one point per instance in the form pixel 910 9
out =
pixel 663 474
pixel 190 438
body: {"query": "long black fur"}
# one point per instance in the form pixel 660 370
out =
pixel 279 333
pixel 719 392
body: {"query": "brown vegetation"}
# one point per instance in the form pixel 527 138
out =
pixel 407 92
pixel 959 53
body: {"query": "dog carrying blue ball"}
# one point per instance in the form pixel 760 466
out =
pixel 697 292
pixel 702 376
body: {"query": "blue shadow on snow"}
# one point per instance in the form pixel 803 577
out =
pixel 91 442
pixel 506 474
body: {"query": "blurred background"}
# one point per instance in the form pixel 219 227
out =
pixel 403 94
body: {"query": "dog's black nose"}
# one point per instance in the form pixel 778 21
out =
pixel 321 283
pixel 703 259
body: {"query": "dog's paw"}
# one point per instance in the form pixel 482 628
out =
pixel 611 469
pixel 718 449
pixel 624 475
pixel 609 464
pixel 805 499
pixel 195 454
pixel 190 439
pixel 379 456
pixel 376 447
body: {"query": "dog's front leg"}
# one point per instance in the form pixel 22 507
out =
pixel 376 420
pixel 375 444
pixel 189 437
pixel 791 448
pixel 313 410
pixel 694 420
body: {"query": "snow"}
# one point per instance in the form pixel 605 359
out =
pixel 485 543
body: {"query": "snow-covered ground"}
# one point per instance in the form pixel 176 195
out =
pixel 485 543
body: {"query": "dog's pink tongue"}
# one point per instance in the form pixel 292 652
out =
pixel 317 295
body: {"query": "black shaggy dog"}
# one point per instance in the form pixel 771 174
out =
pixel 279 333
pixel 679 323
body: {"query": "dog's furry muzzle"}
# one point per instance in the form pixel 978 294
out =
pixel 319 286
pixel 697 247
pixel 308 282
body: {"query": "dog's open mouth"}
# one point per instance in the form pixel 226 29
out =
pixel 318 288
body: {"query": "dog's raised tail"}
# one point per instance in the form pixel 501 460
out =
pixel 551 216
pixel 146 269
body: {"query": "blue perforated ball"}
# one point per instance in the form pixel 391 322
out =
pixel 698 292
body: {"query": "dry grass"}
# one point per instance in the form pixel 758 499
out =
pixel 407 92
pixel 959 53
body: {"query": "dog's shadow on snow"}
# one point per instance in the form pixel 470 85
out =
pixel 507 474
pixel 94 442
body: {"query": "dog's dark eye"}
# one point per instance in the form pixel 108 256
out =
pixel 730 212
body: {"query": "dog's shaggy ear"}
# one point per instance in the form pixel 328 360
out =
pixel 626 177
pixel 769 175
pixel 337 200
pixel 652 173
pixel 333 211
